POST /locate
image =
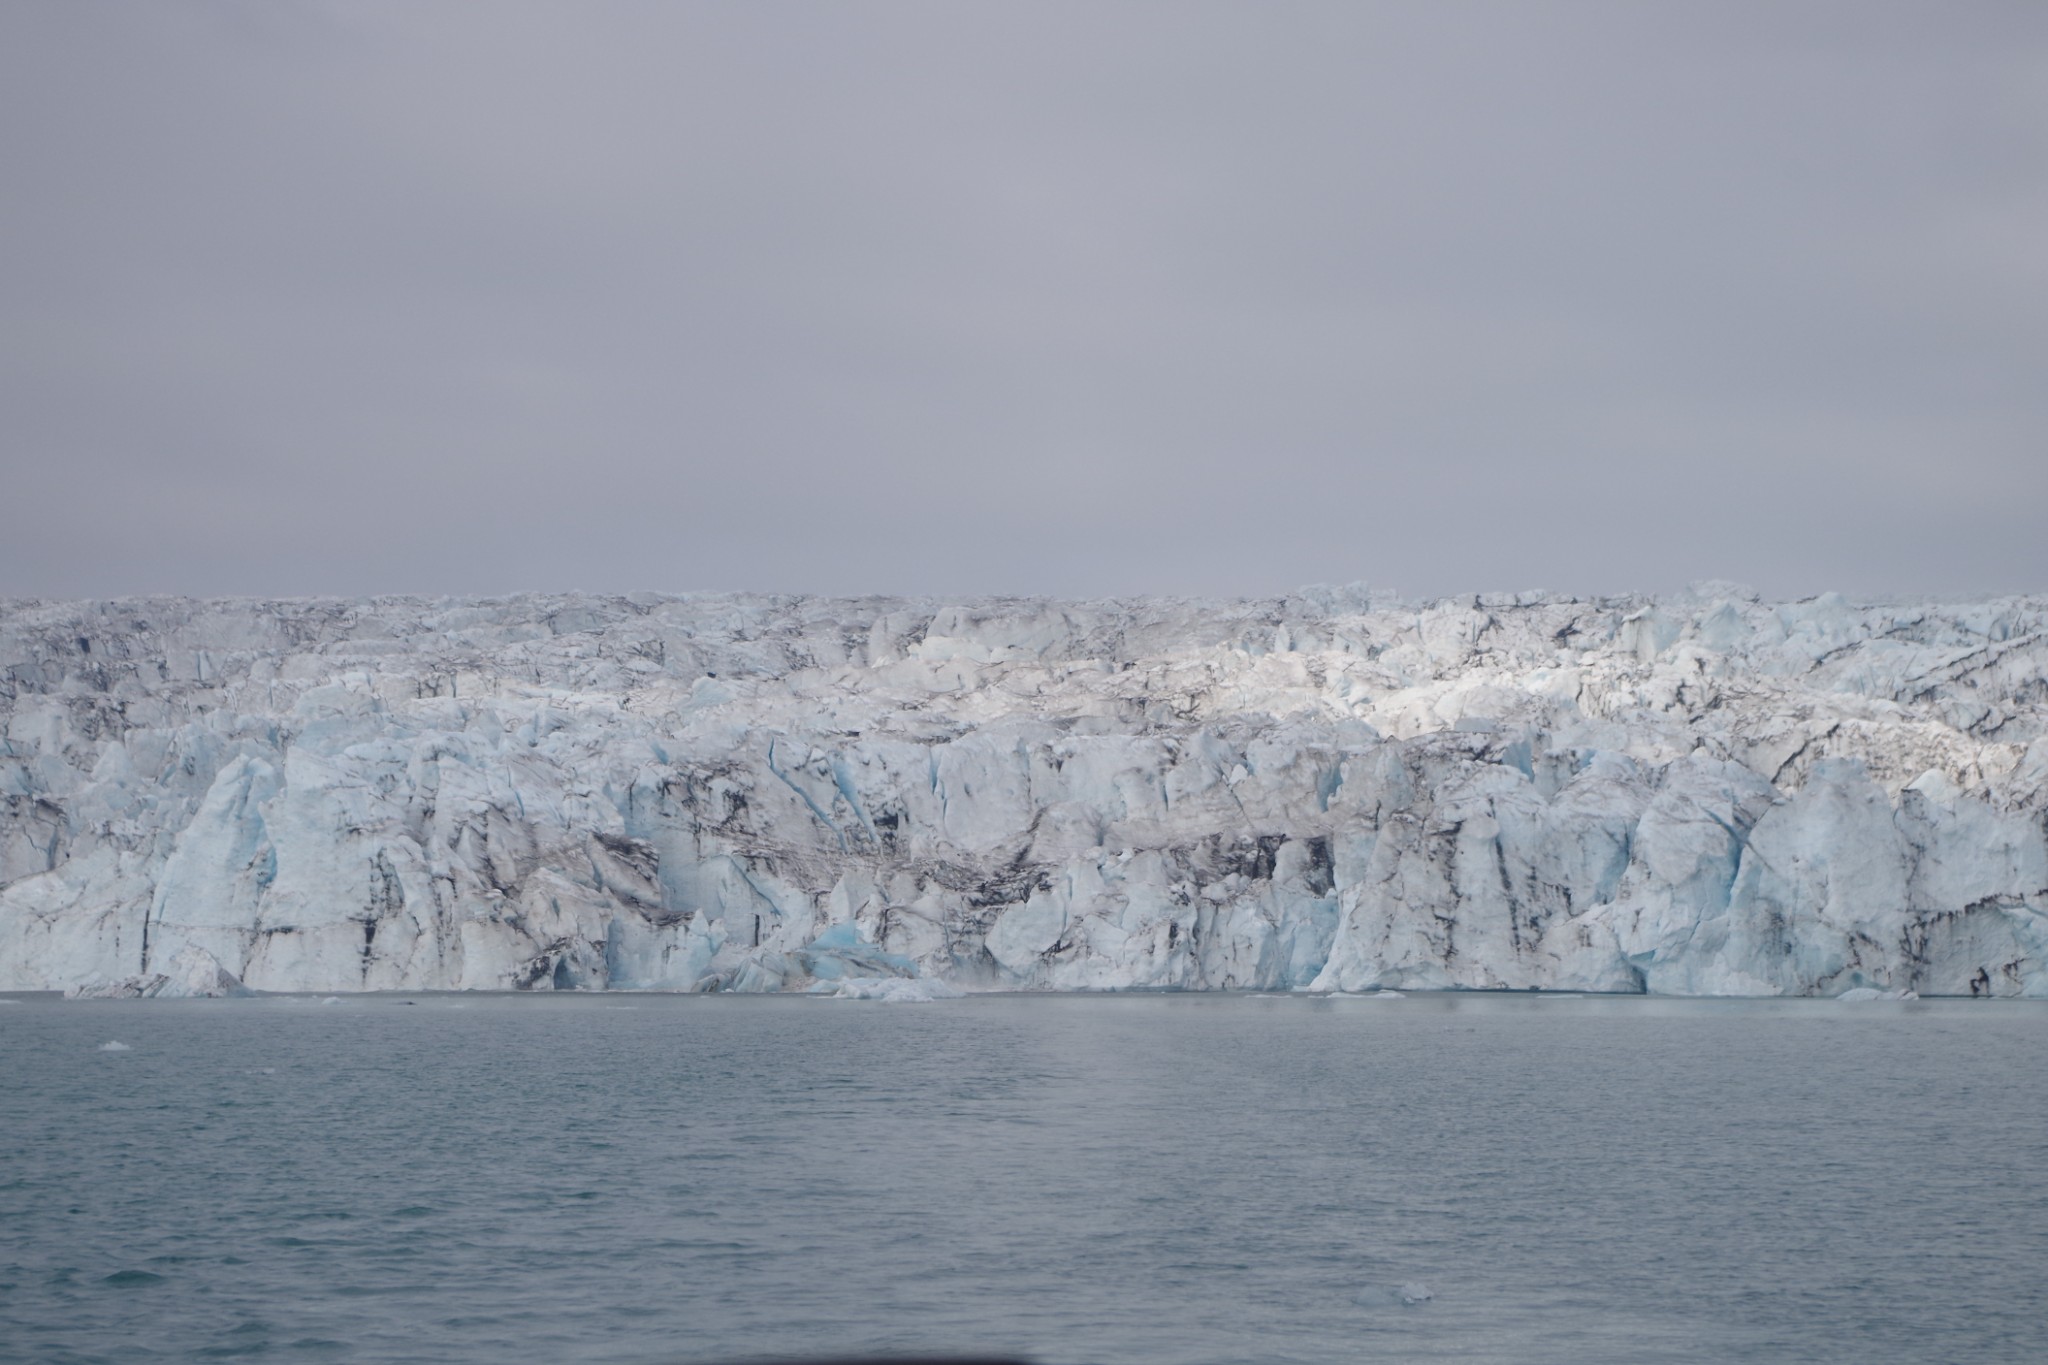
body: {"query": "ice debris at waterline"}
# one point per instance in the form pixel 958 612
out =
pixel 191 972
pixel 1337 790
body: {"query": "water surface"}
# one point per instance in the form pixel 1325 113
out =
pixel 1107 1179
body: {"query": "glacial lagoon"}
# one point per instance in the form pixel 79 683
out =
pixel 1465 1177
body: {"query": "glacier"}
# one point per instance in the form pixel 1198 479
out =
pixel 1336 790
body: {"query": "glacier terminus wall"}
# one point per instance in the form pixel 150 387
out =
pixel 1336 790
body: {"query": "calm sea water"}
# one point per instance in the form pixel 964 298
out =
pixel 1107 1179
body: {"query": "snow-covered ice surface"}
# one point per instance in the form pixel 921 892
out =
pixel 1337 790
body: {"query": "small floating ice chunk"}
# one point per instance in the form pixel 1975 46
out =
pixel 115 1046
pixel 1413 1293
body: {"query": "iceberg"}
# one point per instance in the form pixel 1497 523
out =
pixel 1333 791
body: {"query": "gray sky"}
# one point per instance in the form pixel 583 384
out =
pixel 1034 297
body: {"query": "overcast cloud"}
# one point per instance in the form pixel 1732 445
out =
pixel 1036 297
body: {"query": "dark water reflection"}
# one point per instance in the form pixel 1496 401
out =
pixel 1074 1179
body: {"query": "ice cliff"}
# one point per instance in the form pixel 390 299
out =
pixel 1707 794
